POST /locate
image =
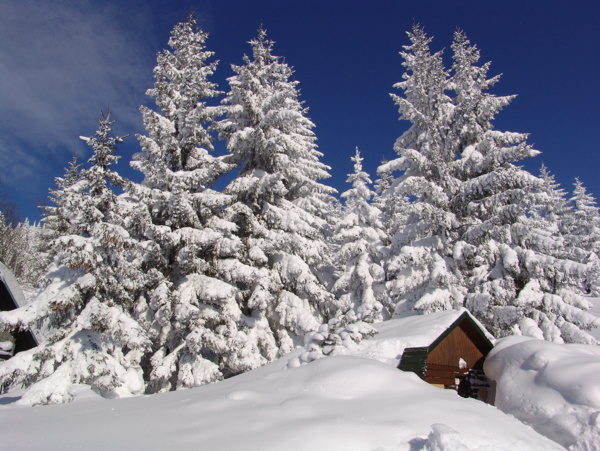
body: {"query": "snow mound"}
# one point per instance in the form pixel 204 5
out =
pixel 334 403
pixel 552 387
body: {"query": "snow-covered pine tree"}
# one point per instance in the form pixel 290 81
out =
pixel 31 261
pixel 55 216
pixel 196 326
pixel 360 284
pixel 421 271
pixel 547 214
pixel 582 224
pixel 394 209
pixel 582 233
pixel 503 247
pixel 84 313
pixel 279 204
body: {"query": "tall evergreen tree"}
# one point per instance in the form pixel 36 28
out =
pixel 56 216
pixel 279 204
pixel 421 272
pixel 504 242
pixel 583 223
pixel 582 234
pixel 193 317
pixel 360 235
pixel 84 313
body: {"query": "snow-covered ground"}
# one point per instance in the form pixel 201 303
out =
pixel 336 403
pixel 357 401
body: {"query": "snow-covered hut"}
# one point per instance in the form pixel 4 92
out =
pixel 447 349
pixel 12 297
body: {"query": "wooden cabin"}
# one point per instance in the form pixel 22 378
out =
pixel 451 354
pixel 12 297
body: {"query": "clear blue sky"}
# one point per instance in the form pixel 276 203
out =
pixel 61 62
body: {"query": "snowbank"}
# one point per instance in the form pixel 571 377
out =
pixel 555 388
pixel 335 403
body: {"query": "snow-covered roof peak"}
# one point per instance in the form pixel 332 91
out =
pixel 12 285
pixel 422 330
pixel 417 331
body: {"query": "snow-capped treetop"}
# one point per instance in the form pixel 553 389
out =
pixel 359 236
pixel 475 107
pixel 181 88
pixel 56 217
pixel 178 138
pixel 584 221
pixel 99 174
pixel 359 180
pixel 425 103
pixel 267 129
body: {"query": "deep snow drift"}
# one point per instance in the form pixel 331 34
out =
pixel 553 387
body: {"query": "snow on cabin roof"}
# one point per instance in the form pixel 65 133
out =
pixel 395 335
pixel 12 285
pixel 422 330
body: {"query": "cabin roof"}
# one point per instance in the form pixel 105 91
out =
pixel 395 335
pixel 426 331
pixel 13 287
pixel 12 297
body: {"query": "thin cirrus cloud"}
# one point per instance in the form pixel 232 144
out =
pixel 61 63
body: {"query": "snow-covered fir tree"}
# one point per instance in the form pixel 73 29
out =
pixel 84 313
pixel 360 284
pixel 279 205
pixel 582 224
pixel 394 209
pixel 10 242
pixel 30 259
pixel 582 233
pixel 421 272
pixel 57 213
pixel 195 324
pixel 504 242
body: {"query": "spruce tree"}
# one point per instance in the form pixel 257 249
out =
pixel 56 216
pixel 84 314
pixel 582 234
pixel 582 224
pixel 191 313
pixel 421 271
pixel 518 281
pixel 278 203
pixel 360 284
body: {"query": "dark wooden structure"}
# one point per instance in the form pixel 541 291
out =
pixel 11 297
pixel 454 359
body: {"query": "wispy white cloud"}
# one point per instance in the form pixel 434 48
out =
pixel 60 63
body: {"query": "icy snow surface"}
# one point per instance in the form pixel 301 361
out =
pixel 555 388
